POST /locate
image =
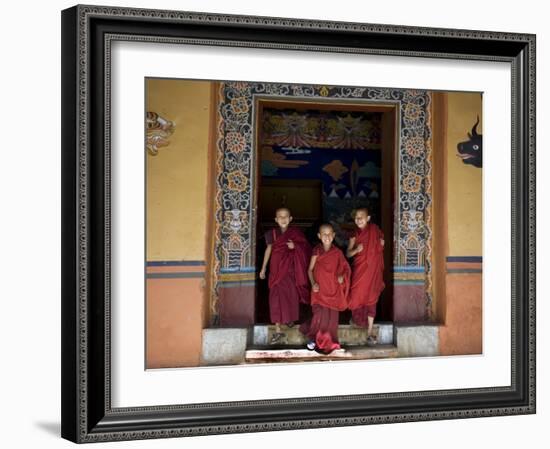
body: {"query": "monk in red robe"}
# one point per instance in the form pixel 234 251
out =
pixel 288 253
pixel 366 246
pixel 329 274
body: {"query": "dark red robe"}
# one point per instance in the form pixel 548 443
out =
pixel 288 282
pixel 331 298
pixel 328 266
pixel 367 280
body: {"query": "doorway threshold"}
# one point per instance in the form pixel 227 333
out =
pixel 300 354
pixel 348 336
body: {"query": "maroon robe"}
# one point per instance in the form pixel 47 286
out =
pixel 322 328
pixel 288 282
pixel 328 266
pixel 367 280
pixel 331 298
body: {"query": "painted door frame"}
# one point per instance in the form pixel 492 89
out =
pixel 390 113
pixel 233 273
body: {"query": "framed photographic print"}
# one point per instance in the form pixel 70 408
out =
pixel 280 223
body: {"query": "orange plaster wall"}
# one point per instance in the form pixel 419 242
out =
pixel 440 222
pixel 176 177
pixel 457 226
pixel 177 210
pixel 174 330
pixel 462 331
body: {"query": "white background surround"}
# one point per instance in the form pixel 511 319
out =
pixel 132 386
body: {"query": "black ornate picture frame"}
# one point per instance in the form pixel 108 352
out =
pixel 87 34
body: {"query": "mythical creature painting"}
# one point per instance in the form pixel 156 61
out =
pixel 159 130
pixel 471 151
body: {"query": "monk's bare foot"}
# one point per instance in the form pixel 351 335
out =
pixel 372 340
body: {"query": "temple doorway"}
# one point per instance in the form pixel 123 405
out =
pixel 322 160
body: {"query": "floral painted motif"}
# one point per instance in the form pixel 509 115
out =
pixel 239 105
pixel 412 112
pixel 412 183
pixel 236 181
pixel 241 86
pixel 235 142
pixel 414 146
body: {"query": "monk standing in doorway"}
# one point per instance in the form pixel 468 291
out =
pixel 366 246
pixel 329 274
pixel 289 252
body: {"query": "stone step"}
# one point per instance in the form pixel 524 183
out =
pixel 347 335
pixel 270 355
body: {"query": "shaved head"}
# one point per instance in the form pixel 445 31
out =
pixel 361 209
pixel 326 226
pixel 281 209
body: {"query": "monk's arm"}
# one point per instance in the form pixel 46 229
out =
pixel 310 271
pixel 342 269
pixel 267 255
pixel 350 252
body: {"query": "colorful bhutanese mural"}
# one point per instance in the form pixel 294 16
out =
pixel 340 149
pixel 321 129
pixel 344 173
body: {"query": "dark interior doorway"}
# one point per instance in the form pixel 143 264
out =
pixel 333 186
pixel 303 198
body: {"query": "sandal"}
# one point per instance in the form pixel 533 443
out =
pixel 276 337
pixel 372 340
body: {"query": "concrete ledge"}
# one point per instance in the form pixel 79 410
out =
pixel 417 340
pixel 223 346
pixel 261 335
pixel 384 333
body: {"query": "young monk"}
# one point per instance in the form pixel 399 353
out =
pixel 289 252
pixel 366 246
pixel 329 274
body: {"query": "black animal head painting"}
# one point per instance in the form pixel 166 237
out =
pixel 471 151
